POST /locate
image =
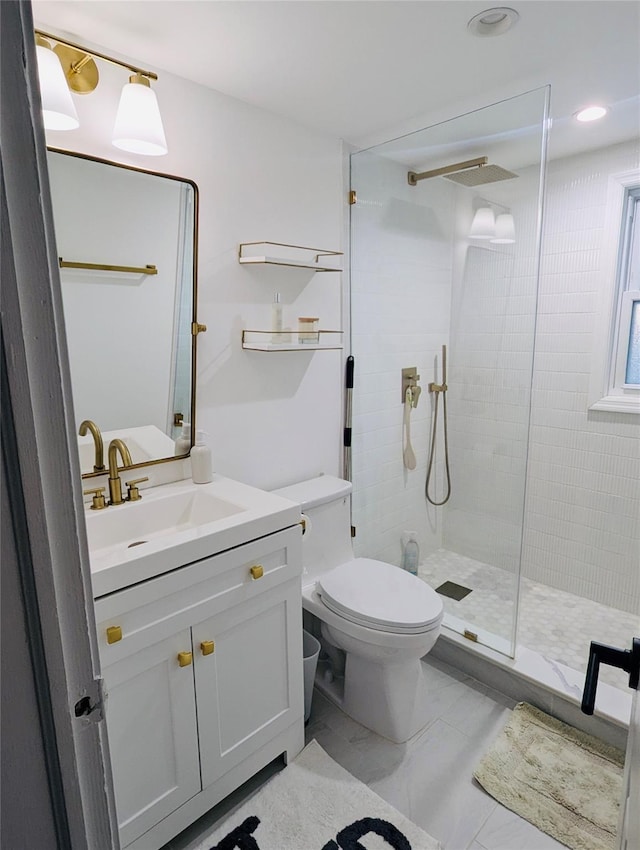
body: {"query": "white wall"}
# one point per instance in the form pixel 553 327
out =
pixel 582 531
pixel 272 418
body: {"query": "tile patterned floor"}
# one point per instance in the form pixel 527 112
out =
pixel 429 778
pixel 556 624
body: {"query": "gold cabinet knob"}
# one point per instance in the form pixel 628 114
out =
pixel 114 634
pixel 185 658
pixel 256 572
pixel 207 647
pixel 98 499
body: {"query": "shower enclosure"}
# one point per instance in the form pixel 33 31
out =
pixel 445 239
pixel 539 538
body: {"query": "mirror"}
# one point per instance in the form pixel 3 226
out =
pixel 128 255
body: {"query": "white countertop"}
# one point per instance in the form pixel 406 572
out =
pixel 113 567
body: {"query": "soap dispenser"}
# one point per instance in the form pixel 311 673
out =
pixel 183 443
pixel 201 466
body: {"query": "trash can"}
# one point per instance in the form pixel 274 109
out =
pixel 310 652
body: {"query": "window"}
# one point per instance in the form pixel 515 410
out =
pixel 620 374
pixel 626 341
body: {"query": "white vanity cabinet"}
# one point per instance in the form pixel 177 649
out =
pixel 204 686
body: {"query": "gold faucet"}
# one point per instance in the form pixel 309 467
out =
pixel 115 487
pixel 89 425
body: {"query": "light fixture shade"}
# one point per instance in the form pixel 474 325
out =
pixel 138 127
pixel 483 224
pixel 58 108
pixel 505 230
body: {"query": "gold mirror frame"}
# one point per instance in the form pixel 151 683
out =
pixel 196 328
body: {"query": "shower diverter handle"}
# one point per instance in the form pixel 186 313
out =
pixel 599 653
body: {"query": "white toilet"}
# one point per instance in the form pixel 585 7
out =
pixel 377 620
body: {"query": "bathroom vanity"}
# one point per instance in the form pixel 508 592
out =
pixel 201 648
pixel 197 588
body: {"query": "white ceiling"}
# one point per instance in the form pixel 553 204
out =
pixel 366 71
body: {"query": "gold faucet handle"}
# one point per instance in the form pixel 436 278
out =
pixel 133 494
pixel 98 499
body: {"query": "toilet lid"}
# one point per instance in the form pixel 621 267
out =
pixel 380 596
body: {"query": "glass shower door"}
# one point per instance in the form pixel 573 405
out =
pixel 422 278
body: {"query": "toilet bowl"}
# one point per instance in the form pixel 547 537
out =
pixel 377 621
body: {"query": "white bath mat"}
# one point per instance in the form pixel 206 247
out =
pixel 563 781
pixel 314 804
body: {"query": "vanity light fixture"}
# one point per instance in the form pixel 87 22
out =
pixel 483 225
pixel 58 108
pixel 505 233
pixel 590 113
pixel 497 229
pixel 70 67
pixel 138 126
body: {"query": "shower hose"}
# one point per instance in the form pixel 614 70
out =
pixel 432 449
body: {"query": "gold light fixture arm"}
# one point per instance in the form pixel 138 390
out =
pixel 77 66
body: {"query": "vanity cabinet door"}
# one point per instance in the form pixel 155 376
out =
pixel 151 722
pixel 249 685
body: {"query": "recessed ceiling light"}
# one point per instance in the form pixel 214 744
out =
pixel 591 113
pixel 495 21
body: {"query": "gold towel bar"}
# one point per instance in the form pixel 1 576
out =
pixel 103 267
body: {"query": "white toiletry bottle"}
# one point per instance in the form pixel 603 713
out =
pixel 201 467
pixel 183 443
pixel 276 318
pixel 411 553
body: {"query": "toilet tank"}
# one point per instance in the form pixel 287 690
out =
pixel 326 543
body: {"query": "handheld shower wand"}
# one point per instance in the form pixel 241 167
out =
pixel 437 389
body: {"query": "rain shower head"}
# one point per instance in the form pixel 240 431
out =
pixel 480 175
pixel 472 172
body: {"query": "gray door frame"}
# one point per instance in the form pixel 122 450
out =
pixel 42 484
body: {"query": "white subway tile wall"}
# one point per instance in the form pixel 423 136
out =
pixel 401 267
pixel 582 526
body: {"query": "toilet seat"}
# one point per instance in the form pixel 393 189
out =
pixel 381 597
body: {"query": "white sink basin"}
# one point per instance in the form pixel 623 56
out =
pixel 175 524
pixel 136 523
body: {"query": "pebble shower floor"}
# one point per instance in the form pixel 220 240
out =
pixel 556 624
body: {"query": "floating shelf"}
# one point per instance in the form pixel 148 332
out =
pixel 264 341
pixel 271 253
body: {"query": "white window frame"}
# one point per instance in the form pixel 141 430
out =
pixel 607 389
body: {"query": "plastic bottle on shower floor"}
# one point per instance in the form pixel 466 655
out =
pixel 411 553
